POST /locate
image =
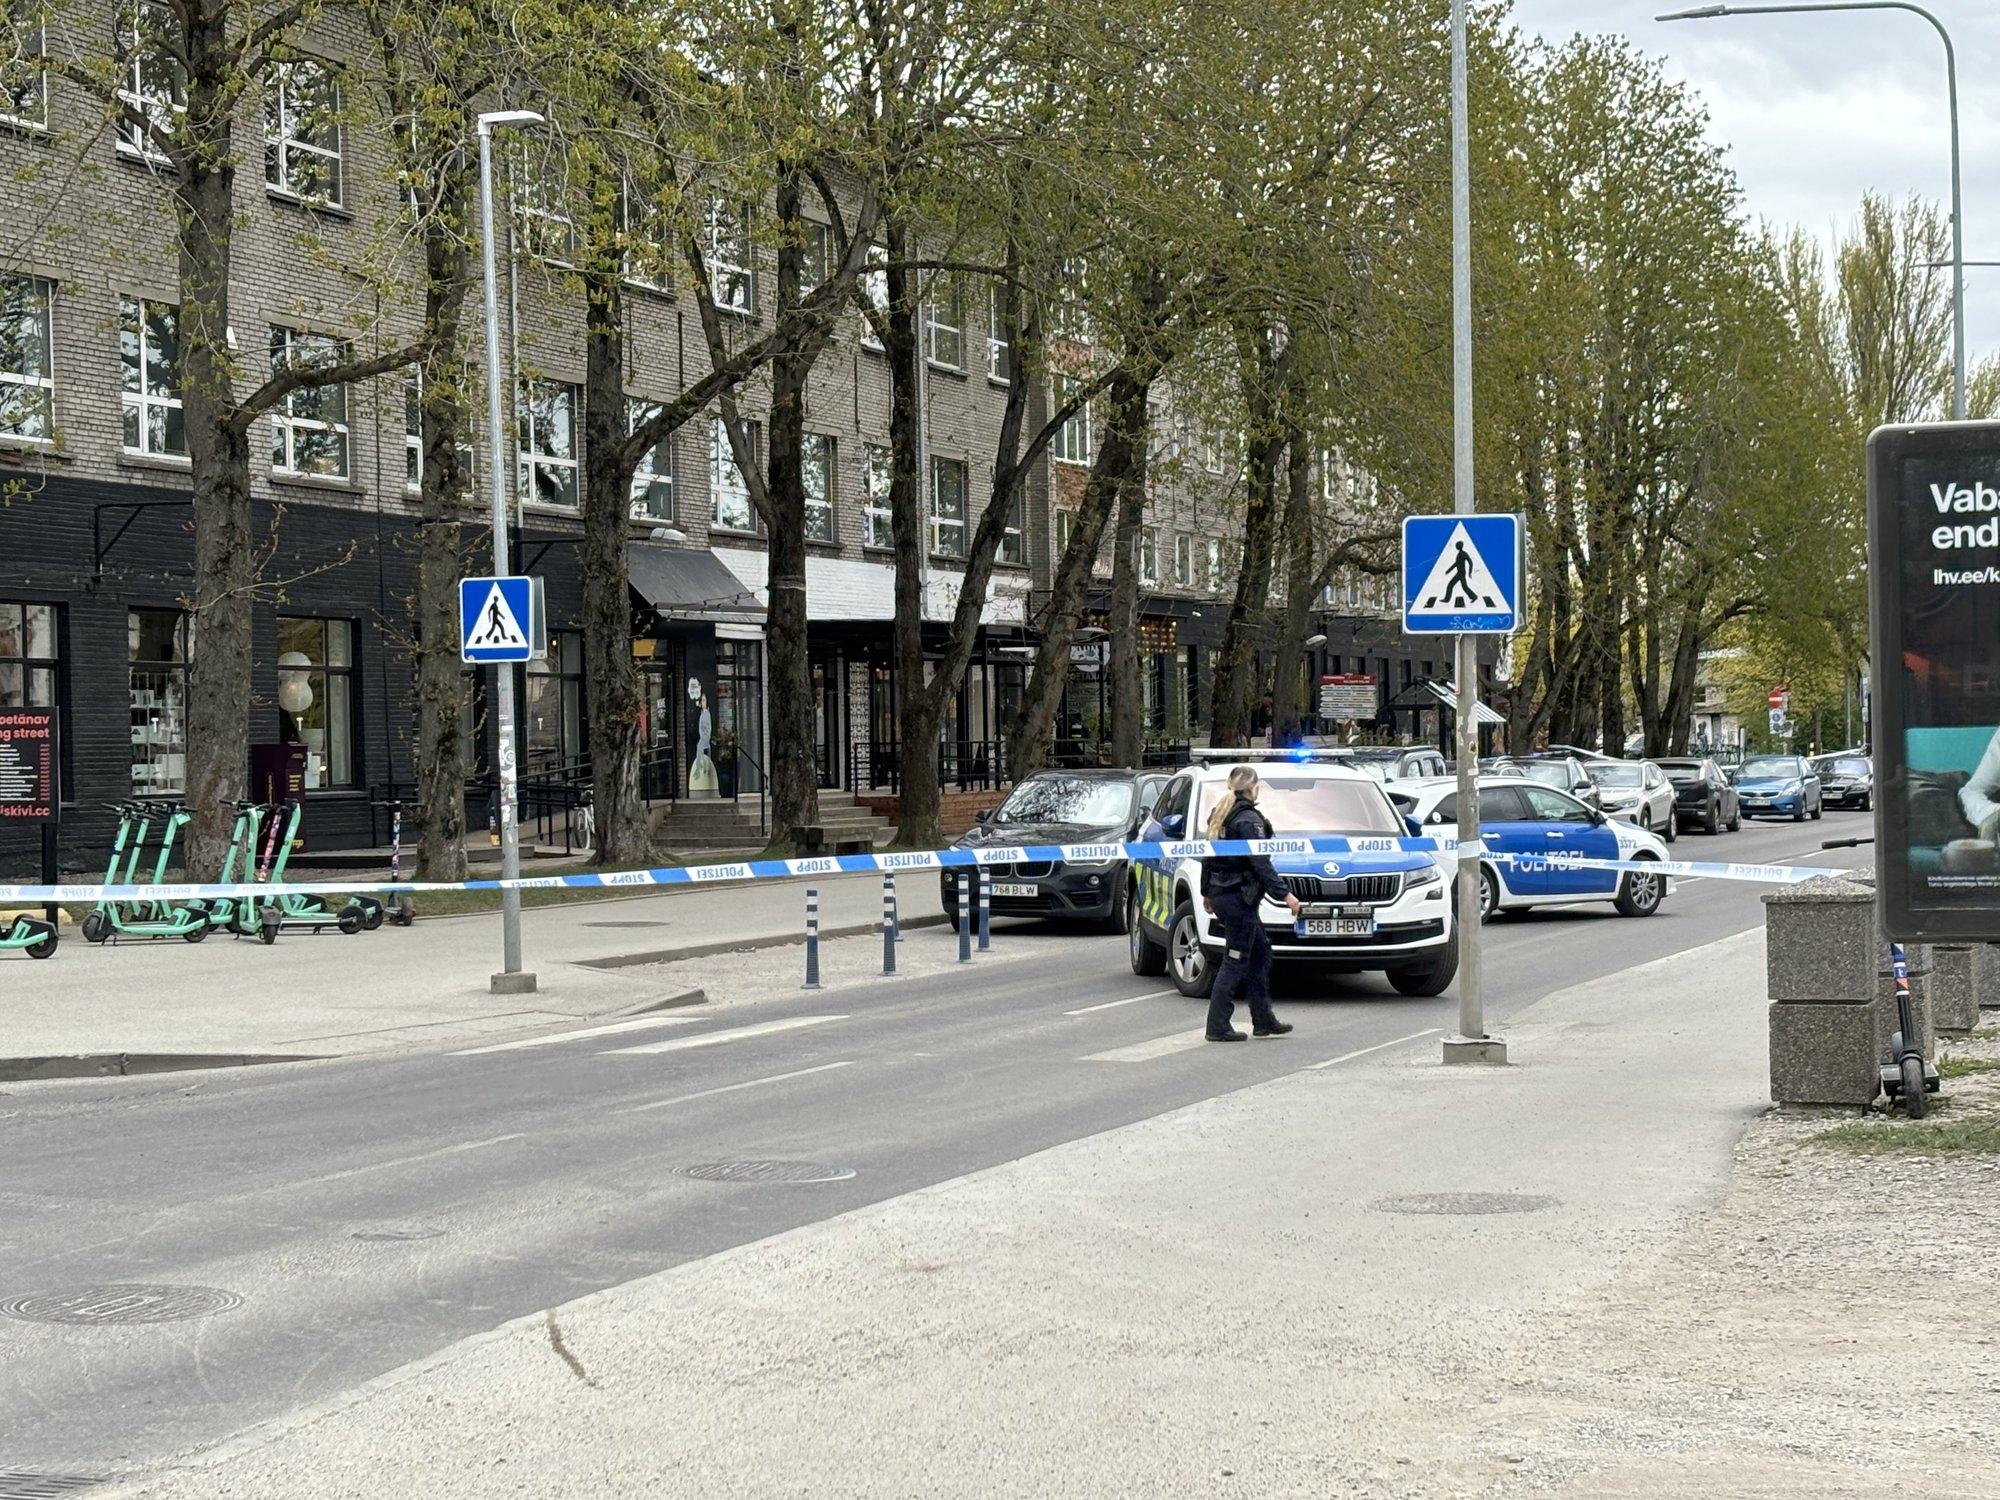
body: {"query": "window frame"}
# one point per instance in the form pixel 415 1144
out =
pixel 719 453
pixel 873 285
pixel 941 523
pixel 544 228
pixel 635 217
pixel 321 674
pixel 1065 530
pixel 1212 560
pixel 31 666
pixel 999 348
pixel 944 325
pixel 821 506
pixel 168 670
pixel 1147 546
pixel 38 81
pixel 1013 548
pixel 42 290
pixel 718 221
pixel 1072 443
pixel 646 475
pixel 878 479
pixel 1184 559
pixel 142 398
pixel 531 461
pixel 279 139
pixel 413 440
pixel 287 422
pixel 132 86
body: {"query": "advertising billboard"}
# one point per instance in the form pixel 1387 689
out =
pixel 1934 598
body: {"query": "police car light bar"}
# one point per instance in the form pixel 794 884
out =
pixel 1267 752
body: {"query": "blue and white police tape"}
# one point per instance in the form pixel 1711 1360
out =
pixel 930 859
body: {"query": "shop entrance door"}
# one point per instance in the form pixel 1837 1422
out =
pixel 664 680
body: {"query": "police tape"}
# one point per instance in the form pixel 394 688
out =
pixel 890 862
pixel 896 861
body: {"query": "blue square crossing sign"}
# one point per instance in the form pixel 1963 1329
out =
pixel 500 620
pixel 1461 574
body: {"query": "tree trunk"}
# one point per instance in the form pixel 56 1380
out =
pixel 1287 709
pixel 1236 663
pixel 611 677
pixel 1124 438
pixel 1128 708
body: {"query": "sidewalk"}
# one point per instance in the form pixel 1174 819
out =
pixel 1360 1279
pixel 140 1006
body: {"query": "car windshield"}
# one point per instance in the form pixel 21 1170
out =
pixel 1314 804
pixel 1769 768
pixel 1067 799
pixel 1552 772
pixel 1616 775
pixel 1849 766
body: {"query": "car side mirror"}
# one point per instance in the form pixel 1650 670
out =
pixel 1416 828
pixel 982 815
pixel 1173 825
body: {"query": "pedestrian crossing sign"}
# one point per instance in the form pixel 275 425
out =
pixel 501 620
pixel 1461 574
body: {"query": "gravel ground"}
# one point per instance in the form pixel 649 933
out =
pixel 1796 1341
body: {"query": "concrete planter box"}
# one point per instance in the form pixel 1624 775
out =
pixel 1952 991
pixel 1820 942
pixel 1824 1053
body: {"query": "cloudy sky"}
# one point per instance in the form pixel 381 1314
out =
pixel 1818 108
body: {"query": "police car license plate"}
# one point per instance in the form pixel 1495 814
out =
pixel 1002 888
pixel 1335 926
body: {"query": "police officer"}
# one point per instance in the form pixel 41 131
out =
pixel 1231 887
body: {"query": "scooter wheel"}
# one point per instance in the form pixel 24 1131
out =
pixel 371 919
pixel 196 934
pixel 1915 1102
pixel 46 948
pixel 404 913
pixel 350 920
pixel 267 928
pixel 96 928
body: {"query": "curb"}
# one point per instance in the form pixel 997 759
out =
pixel 747 945
pixel 131 1064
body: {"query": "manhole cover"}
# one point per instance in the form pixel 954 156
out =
pixel 18 1484
pixel 1466 1203
pixel 396 1233
pixel 625 924
pixel 122 1304
pixel 764 1171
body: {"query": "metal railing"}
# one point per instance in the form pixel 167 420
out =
pixel 963 765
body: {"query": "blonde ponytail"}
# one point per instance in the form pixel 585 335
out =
pixel 1242 783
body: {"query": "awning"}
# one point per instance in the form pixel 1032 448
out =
pixel 679 583
pixel 845 589
pixel 1438 691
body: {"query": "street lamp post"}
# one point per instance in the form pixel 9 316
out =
pixel 1714 12
pixel 511 980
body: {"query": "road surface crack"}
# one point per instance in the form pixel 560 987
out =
pixel 562 1349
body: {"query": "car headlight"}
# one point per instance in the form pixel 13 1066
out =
pixel 1795 786
pixel 1428 875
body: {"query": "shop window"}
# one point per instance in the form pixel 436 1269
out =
pixel 27 370
pixel 730 507
pixel 553 709
pixel 948 507
pixel 816 463
pixel 316 697
pixel 28 656
pixel 302 131
pixel 653 476
pixel 157 657
pixel 877 476
pixel 739 716
pixel 309 427
pixel 546 434
pixel 149 354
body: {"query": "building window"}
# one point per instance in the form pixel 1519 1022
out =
pixel 726 245
pixel 999 347
pixel 877 477
pixel 552 715
pixel 1184 560
pixel 818 267
pixel 729 492
pixel 27 371
pixel 1214 568
pixel 545 438
pixel 1149 556
pixel 653 476
pixel 816 462
pixel 316 697
pixel 309 427
pixel 646 236
pixel 28 656
pixel 948 507
pixel 1065 532
pixel 151 85
pixel 1072 444
pixel 24 88
pixel 302 131
pixel 875 290
pixel 413 441
pixel 149 352
pixel 944 327
pixel 157 655
pixel 1013 541
pixel 1208 443
pixel 541 201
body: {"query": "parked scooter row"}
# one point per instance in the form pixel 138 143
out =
pixel 260 847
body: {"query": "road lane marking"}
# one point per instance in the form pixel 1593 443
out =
pixel 1415 1036
pixel 615 1028
pixel 730 1088
pixel 1159 1047
pixel 408 1161
pixel 1114 1004
pixel 712 1038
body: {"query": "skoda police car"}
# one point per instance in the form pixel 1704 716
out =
pixel 1536 838
pixel 1380 908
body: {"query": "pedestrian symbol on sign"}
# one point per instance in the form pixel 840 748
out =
pixel 1458 591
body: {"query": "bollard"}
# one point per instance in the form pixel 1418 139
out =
pixel 888 924
pixel 895 911
pixel 964 920
pixel 812 938
pixel 985 912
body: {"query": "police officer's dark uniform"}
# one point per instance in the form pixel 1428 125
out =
pixel 1233 884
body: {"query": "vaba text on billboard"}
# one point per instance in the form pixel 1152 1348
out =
pixel 1934 598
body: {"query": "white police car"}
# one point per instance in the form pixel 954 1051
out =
pixel 1384 909
pixel 1538 833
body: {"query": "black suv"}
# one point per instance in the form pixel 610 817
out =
pixel 1083 806
pixel 1704 798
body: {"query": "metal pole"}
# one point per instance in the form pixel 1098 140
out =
pixel 812 938
pixel 888 924
pixel 1471 1045
pixel 985 911
pixel 964 919
pixel 895 908
pixel 511 979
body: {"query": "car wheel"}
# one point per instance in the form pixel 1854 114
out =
pixel 1489 894
pixel 1800 815
pixel 1113 920
pixel 1736 820
pixel 1673 828
pixel 1193 974
pixel 1428 979
pixel 1865 803
pixel 1712 824
pixel 1818 808
pixel 1640 893
pixel 1148 957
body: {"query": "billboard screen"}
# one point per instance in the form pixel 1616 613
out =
pixel 1934 597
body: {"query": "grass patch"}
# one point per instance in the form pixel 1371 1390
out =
pixel 1972 1134
pixel 1966 1067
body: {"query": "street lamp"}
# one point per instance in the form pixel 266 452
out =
pixel 510 980
pixel 1714 12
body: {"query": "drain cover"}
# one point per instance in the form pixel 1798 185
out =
pixel 625 924
pixel 19 1484
pixel 122 1304
pixel 396 1233
pixel 1465 1203
pixel 764 1171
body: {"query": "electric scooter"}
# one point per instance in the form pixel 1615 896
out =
pixel 237 914
pixel 402 911
pixel 311 912
pixel 36 934
pixel 1907 1075
pixel 152 917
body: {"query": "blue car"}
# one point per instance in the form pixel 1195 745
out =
pixel 1778 786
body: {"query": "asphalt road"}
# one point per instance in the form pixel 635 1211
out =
pixel 368 1212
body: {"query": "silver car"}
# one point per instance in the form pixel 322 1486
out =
pixel 1635 791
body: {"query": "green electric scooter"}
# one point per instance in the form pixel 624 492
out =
pixel 35 934
pixel 237 914
pixel 275 913
pixel 152 917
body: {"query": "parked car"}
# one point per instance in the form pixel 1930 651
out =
pixel 1780 784
pixel 1385 910
pixel 1563 772
pixel 1846 780
pixel 1704 797
pixel 1637 791
pixel 1389 762
pixel 1082 806
pixel 1538 832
